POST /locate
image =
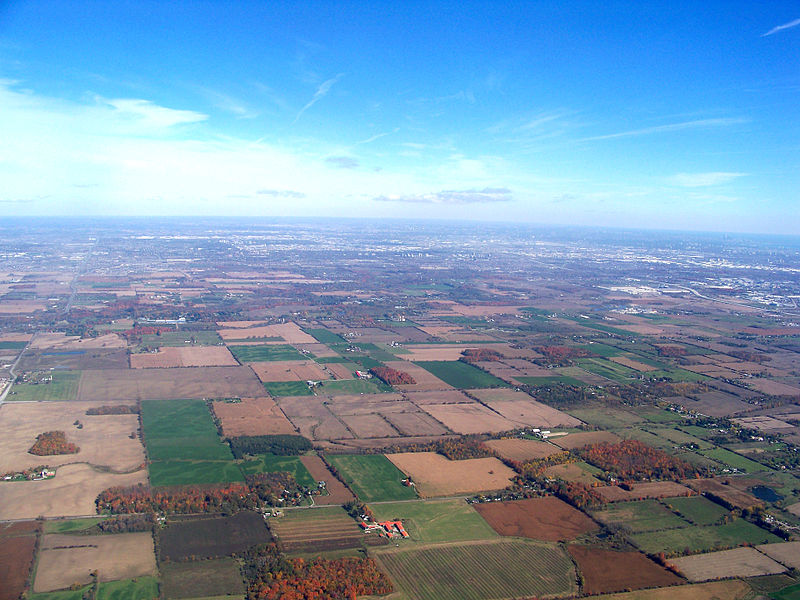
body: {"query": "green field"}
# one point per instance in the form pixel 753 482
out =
pixel 181 429
pixel 63 387
pixel 657 415
pixel 193 472
pixel 461 375
pixel 703 539
pixel 12 345
pixel 537 381
pixel 202 578
pixel 71 525
pixel 353 386
pixel 606 417
pixel 270 463
pixel 697 509
pixel 437 521
pixel 734 460
pixel 680 437
pixel 791 592
pixel 372 477
pixel 482 571
pixel 141 588
pixel 267 353
pixel 601 349
pixel 638 516
pixel 324 336
pixel 676 375
pixel 181 338
pixel 607 369
pixel 60 595
pixel 288 388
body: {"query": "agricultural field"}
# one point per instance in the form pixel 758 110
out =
pixel 181 339
pixel 21 423
pixel 606 571
pixel 337 492
pixel 211 537
pixel 546 518
pixel 17 548
pixel 523 410
pixel 290 370
pixel 287 388
pixel 434 475
pixel 641 491
pixel 277 352
pixel 572 441
pixel 270 463
pixel 480 571
pixel 469 417
pixel 434 521
pixel 579 472
pixel 739 562
pixel 787 553
pixel 66 559
pixel 640 515
pixel 188 356
pixel 201 579
pixel 139 588
pixel 320 530
pixel 703 539
pixel 372 477
pixel 732 589
pixel 460 375
pixel 522 450
pixel 251 416
pixel 698 510
pixel 60 385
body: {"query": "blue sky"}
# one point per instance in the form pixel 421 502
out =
pixel 636 114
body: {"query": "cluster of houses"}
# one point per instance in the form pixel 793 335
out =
pixel 390 529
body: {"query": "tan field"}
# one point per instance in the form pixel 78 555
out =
pixel 289 370
pixel 104 440
pixel 73 342
pixel 571 472
pixel 425 380
pixel 252 416
pixel 340 371
pixel 290 332
pixel 437 352
pixel 434 475
pixel 415 424
pixel 189 356
pixel 68 559
pixel 11 307
pixel 520 408
pixel 71 493
pixel 633 364
pixel 584 438
pixel 716 590
pixel 787 554
pixel 522 450
pixel 469 418
pixel 775 388
pixel 16 337
pixel 369 426
pixel 739 562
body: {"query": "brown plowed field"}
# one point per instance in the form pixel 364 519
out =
pixel 369 426
pixel 290 332
pixel 17 546
pixel 610 571
pixel 21 423
pixel 289 370
pixel 437 397
pixel 521 409
pixel 337 492
pixel 787 553
pixel 546 518
pixel 640 491
pixel 522 450
pixel 252 416
pixel 165 384
pixel 739 562
pixel 340 371
pixel 435 475
pixel 334 532
pixel 189 356
pixel 584 438
pixel 425 380
pixel 415 423
pixel 733 589
pixel 213 537
pixel 68 559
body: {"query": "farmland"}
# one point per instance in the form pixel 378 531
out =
pixel 17 545
pixel 546 518
pixel 372 477
pixel 611 571
pixel 252 416
pixel 212 537
pixel 480 571
pixel 434 475
pixel 436 520
pixel 269 463
pixel 247 354
pixel 62 385
pixel 699 539
pixel 637 516
pixel 320 530
pixel 461 375
pixel 739 562
pixel 697 509
pixel 201 579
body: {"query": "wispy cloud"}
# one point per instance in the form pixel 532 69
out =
pixel 281 193
pixel 696 124
pixel 228 103
pixel 321 92
pixel 703 179
pixel 485 195
pixel 342 162
pixel 788 25
pixel 377 136
pixel 153 115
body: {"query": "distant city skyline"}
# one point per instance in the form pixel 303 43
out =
pixel 643 115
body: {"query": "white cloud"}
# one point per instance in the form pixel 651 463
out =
pixel 321 92
pixel 692 180
pixel 148 114
pixel 453 197
pixel 697 124
pixel 788 25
